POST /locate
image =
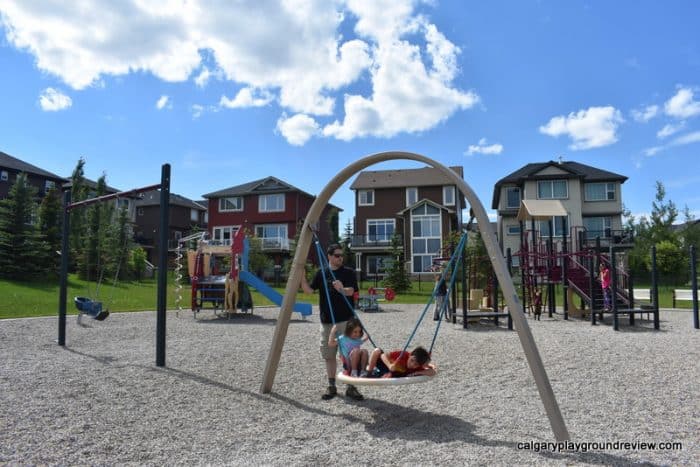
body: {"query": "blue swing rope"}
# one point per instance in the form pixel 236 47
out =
pixel 323 263
pixel 456 254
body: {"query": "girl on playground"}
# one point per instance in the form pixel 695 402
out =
pixel 605 285
pixel 354 357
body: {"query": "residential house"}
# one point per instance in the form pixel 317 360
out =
pixel 41 179
pixel 420 206
pixel 591 197
pixel 272 210
pixel 185 217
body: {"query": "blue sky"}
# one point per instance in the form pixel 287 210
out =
pixel 229 92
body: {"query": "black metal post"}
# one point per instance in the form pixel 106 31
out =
pixel 565 269
pixel 464 289
pixel 591 281
pixel 613 287
pixel 550 283
pixel 654 287
pixel 694 285
pixel 163 264
pixel 494 298
pixel 63 287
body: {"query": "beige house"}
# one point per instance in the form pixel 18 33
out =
pixel 591 197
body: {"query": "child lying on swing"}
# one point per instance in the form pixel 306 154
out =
pixel 399 363
pixel 354 357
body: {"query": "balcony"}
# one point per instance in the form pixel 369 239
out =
pixel 618 239
pixel 276 243
pixel 373 241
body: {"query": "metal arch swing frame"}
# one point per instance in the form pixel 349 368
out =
pixel 489 237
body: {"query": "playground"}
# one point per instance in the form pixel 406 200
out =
pixel 101 399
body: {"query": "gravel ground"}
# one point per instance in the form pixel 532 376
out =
pixel 102 401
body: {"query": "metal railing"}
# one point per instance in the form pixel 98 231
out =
pixel 373 240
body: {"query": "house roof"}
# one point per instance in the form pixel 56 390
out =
pixel 426 176
pixel 13 163
pixel 267 185
pixel 572 170
pixel 152 198
pixel 92 184
pixel 426 201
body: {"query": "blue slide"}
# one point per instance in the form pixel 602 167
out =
pixel 271 294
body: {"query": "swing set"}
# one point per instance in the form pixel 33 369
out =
pixel 304 243
pixel 94 308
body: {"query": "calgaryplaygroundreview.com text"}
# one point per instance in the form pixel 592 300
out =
pixel 571 446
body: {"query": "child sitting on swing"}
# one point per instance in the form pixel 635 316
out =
pixel 399 363
pixel 354 357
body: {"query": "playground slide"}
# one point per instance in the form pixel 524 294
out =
pixel 271 294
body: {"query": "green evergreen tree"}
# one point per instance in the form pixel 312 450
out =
pixel 397 277
pixel 19 238
pixel 346 242
pixel 78 218
pixel 50 222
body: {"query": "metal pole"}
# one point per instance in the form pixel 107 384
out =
pixel 565 269
pixel 163 264
pixel 613 287
pixel 63 287
pixel 694 285
pixel 654 287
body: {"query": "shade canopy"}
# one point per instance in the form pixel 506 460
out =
pixel 540 209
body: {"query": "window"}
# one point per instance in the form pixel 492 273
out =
pixel 513 197
pixel 378 264
pixel 597 226
pixel 380 230
pixel 271 203
pixel 411 196
pixel 4 176
pixel 177 234
pixel 558 222
pixel 234 203
pixel 600 192
pixel 274 236
pixel 48 185
pixel 139 211
pixel 194 215
pixel 513 230
pixel 448 195
pixel 426 236
pixel 365 197
pixel 552 189
pixel 223 235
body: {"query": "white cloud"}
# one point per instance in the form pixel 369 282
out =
pixel 483 148
pixel 206 74
pixel 400 66
pixel 197 110
pixel 670 129
pixel 164 102
pixel 682 104
pixel 645 114
pixel 688 138
pixel 591 128
pixel 297 129
pixel 52 100
pixel 247 97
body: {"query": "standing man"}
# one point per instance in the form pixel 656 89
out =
pixel 341 291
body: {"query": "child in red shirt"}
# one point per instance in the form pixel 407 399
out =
pixel 399 363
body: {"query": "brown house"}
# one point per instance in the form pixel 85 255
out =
pixel 419 206
pixel 185 217
pixel 272 210
pixel 41 179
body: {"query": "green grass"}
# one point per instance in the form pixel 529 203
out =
pixel 28 299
